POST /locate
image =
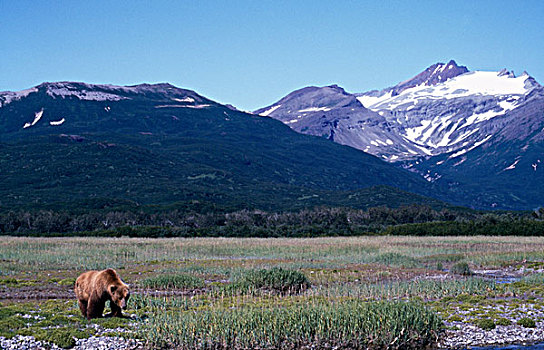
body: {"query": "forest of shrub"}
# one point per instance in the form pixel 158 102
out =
pixel 320 221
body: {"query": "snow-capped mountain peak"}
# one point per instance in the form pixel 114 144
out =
pixel 454 115
pixel 444 109
pixel 435 74
pixel 478 83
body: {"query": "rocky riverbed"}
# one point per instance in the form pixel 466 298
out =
pixel 503 321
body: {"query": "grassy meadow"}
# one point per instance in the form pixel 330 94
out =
pixel 349 292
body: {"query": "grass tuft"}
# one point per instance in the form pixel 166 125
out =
pixel 276 279
pixel 461 268
pixel 501 321
pixel 527 322
pixel 485 323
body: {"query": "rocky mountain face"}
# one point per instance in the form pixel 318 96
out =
pixel 435 124
pixel 332 113
pixel 435 74
pixel 504 171
pixel 75 145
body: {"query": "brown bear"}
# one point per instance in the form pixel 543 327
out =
pixel 94 288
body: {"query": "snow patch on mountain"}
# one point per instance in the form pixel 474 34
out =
pixel 37 117
pixel 313 109
pixel 513 165
pixel 57 122
pixel 184 106
pixel 185 99
pixel 269 111
pixel 463 151
pixel 66 90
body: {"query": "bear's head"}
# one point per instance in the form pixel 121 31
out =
pixel 119 295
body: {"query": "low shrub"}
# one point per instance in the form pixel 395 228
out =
pixel 67 282
pixel 63 337
pixel 11 323
pixel 527 322
pixel 57 320
pixel 455 318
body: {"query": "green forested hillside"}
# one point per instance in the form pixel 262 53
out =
pixel 150 149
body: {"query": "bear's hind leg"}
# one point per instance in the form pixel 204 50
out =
pixel 83 307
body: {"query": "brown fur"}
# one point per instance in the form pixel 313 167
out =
pixel 94 288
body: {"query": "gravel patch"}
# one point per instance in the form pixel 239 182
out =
pixel 93 343
pixel 464 334
pixel 469 336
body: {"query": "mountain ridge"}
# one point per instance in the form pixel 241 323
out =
pixel 158 145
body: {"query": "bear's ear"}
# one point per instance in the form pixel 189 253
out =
pixel 113 288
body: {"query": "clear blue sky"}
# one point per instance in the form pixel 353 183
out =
pixel 251 53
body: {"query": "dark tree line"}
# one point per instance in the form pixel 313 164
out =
pixel 320 221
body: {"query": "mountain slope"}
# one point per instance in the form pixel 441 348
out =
pixel 88 145
pixel 332 113
pixel 474 133
pixel 506 171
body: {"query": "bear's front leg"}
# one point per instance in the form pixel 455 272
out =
pixel 115 310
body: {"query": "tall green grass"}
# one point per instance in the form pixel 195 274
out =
pixel 178 281
pixel 350 324
pixel 426 289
